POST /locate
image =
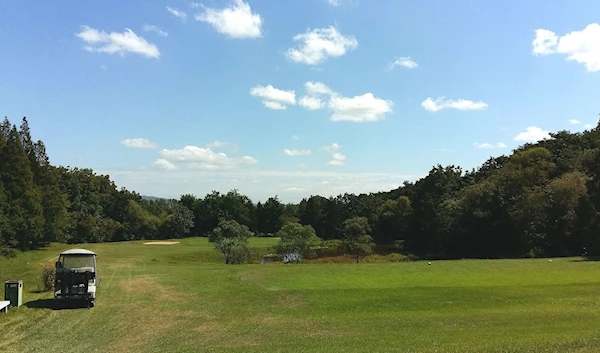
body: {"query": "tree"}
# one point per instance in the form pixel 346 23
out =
pixel 296 238
pixel 179 223
pixel 357 240
pixel 231 239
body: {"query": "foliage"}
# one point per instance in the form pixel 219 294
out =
pixel 542 200
pixel 296 238
pixel 48 277
pixel 357 240
pixel 231 239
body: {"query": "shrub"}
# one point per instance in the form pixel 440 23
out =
pixel 48 276
pixel 395 257
pixel 374 259
pixel 6 252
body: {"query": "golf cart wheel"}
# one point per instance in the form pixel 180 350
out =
pixel 92 303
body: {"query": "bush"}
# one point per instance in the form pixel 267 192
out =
pixel 374 259
pixel 395 257
pixel 6 252
pixel 48 276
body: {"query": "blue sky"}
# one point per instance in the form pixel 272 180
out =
pixel 294 98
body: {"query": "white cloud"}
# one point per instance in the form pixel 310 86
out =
pixel 335 3
pixel 588 126
pixel 139 143
pixel 359 108
pixel 334 147
pixel 274 98
pixel 580 46
pixel 194 157
pixel 545 42
pixel 337 158
pixel 295 137
pixel 489 145
pixel 164 164
pixel 295 153
pixel 405 62
pixel 258 184
pixel 177 13
pixel 121 43
pixel 319 44
pixel 317 88
pixel 222 144
pixel 574 122
pixel 532 134
pixel 311 103
pixel 235 21
pixel 155 29
pixel 461 104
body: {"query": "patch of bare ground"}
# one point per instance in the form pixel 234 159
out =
pixel 161 243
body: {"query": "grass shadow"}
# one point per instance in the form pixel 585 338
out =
pixel 55 304
pixel 38 291
pixel 586 259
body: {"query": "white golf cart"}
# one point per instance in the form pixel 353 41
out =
pixel 76 276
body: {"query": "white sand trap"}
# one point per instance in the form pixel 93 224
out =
pixel 161 243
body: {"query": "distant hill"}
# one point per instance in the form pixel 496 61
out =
pixel 152 198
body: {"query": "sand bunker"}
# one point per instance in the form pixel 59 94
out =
pixel 161 243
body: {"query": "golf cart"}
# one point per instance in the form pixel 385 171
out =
pixel 76 277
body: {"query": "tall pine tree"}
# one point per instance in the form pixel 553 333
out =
pixel 23 197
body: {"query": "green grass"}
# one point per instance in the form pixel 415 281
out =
pixel 180 298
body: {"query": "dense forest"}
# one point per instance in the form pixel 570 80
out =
pixel 542 200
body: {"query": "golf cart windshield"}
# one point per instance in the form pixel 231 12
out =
pixel 76 261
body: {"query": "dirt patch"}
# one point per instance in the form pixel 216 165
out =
pixel 161 243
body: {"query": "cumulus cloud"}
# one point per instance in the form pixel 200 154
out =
pixel 359 108
pixel 235 21
pixel 405 62
pixel 164 164
pixel 338 159
pixel 295 153
pixel 532 134
pixel 334 147
pixel 461 104
pixel 311 103
pixel 574 122
pixel 194 157
pixel 155 29
pixel 489 145
pixel 354 109
pixel 274 98
pixel 317 88
pixel 319 44
pixel 117 43
pixel 139 143
pixel 580 46
pixel 177 13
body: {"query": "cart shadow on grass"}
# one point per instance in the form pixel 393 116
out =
pixel 55 304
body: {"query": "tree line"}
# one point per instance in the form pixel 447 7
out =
pixel 542 200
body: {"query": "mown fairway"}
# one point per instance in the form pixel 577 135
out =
pixel 179 298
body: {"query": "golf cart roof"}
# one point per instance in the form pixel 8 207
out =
pixel 78 252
